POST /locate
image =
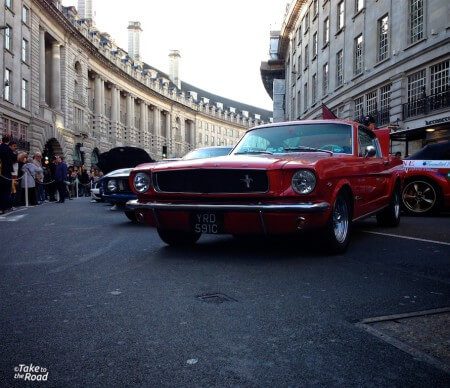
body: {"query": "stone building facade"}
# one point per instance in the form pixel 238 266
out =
pixel 385 58
pixel 68 89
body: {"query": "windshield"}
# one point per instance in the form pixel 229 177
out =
pixel 201 153
pixel 334 137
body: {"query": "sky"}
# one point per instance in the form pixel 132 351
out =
pixel 222 43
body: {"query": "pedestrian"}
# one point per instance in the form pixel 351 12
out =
pixel 7 159
pixel 28 182
pixel 60 178
pixel 39 177
pixel 84 180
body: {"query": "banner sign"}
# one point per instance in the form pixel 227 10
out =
pixel 426 163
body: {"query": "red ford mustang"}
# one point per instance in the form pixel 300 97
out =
pixel 427 179
pixel 282 178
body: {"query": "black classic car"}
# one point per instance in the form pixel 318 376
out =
pixel 116 164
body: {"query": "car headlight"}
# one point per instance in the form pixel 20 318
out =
pixel 303 182
pixel 141 182
pixel 112 185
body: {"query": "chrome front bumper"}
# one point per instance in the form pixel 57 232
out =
pixel 306 207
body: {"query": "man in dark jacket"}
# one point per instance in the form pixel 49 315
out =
pixel 60 178
pixel 7 159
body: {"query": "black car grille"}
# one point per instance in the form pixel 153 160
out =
pixel 212 181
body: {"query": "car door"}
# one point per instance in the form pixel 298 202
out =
pixel 374 170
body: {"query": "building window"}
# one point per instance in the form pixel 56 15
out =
pixel 299 34
pixel 25 13
pixel 306 22
pixel 25 50
pixel 416 86
pixel 416 19
pixel 371 103
pixel 326 31
pixel 358 55
pixel 299 103
pixel 359 5
pixel 339 68
pixel 7 87
pixel 8 38
pixel 314 88
pixel 340 15
pixel 299 64
pixel 306 56
pixel 325 79
pixel 305 97
pixel 359 107
pixel 383 38
pixel 440 80
pixel 385 102
pixel 315 7
pixel 9 4
pixel 315 44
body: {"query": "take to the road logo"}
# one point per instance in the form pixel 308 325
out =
pixel 30 373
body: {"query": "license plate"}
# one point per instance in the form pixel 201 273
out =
pixel 207 222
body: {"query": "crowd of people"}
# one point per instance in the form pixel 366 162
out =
pixel 26 179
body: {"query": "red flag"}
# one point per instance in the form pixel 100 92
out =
pixel 327 114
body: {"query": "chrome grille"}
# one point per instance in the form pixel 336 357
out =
pixel 212 181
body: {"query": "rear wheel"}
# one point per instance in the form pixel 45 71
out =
pixel 338 228
pixel 390 216
pixel 420 197
pixel 178 238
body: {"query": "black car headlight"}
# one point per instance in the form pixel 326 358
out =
pixel 141 182
pixel 112 185
pixel 303 182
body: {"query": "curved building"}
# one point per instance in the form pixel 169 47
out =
pixel 385 58
pixel 68 88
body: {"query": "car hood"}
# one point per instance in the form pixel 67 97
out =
pixel 269 162
pixel 122 172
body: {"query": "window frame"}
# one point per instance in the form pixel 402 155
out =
pixel 25 51
pixel 383 55
pixel 340 68
pixel 8 38
pixel 412 39
pixel 358 55
pixel 7 89
pixel 340 13
pixel 326 31
pixel 27 14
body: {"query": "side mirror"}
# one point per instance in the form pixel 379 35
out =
pixel 370 151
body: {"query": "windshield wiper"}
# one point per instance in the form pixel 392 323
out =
pixel 310 149
pixel 253 152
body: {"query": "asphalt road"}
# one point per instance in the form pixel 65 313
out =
pixel 98 301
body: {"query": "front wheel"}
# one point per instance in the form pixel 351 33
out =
pixel 131 215
pixel 420 197
pixel 390 216
pixel 178 238
pixel 337 231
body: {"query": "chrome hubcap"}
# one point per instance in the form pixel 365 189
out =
pixel 340 220
pixel 419 196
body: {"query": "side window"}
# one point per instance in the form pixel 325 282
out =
pixel 366 138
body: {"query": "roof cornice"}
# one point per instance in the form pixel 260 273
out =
pixel 289 23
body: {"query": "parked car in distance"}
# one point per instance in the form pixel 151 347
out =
pixel 207 152
pixel 427 180
pixel 280 179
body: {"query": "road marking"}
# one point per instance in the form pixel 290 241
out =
pixel 407 237
pixel 12 219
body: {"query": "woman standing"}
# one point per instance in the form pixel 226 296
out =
pixel 28 182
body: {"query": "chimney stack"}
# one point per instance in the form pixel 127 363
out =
pixel 174 67
pixel 134 34
pixel 85 9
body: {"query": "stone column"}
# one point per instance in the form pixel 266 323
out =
pixel 114 105
pixel 42 67
pixel 168 133
pixel 156 121
pixel 130 117
pixel 98 95
pixel 56 76
pixel 144 125
pixel 103 101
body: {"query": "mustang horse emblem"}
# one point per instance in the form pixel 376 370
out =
pixel 247 180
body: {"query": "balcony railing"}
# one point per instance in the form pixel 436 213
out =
pixel 381 117
pixel 427 104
